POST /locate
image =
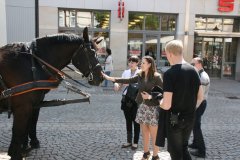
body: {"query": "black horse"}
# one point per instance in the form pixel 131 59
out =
pixel 16 68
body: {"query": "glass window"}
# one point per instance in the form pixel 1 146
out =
pixel 136 21
pixel 236 25
pixel 168 23
pixel 145 31
pixel 84 19
pixel 214 24
pixel 163 41
pixel 151 22
pixel 72 18
pixel 200 23
pixel 61 18
pixel 217 24
pixel 135 44
pixel 227 25
pixel 172 22
pixel 101 20
pixel 230 49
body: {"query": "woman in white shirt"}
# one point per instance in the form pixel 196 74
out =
pixel 130 107
pixel 108 65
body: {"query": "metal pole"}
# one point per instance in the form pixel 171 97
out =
pixel 36 19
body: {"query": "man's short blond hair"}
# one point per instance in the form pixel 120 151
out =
pixel 175 47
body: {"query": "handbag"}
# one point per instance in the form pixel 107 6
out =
pixel 157 92
pixel 132 91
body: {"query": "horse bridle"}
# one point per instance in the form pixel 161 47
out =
pixel 88 75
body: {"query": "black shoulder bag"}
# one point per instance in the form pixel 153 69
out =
pixel 132 91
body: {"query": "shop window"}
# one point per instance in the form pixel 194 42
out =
pixel 66 18
pixel 61 18
pixel 152 22
pixel 163 41
pixel 136 21
pixel 200 23
pixel 84 19
pixel 148 35
pixel 135 44
pixel 73 18
pixel 101 20
pixel 214 24
pixel 168 23
pixel 227 25
pixel 217 24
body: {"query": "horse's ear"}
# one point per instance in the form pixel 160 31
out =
pixel 85 35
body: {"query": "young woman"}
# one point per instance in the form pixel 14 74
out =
pixel 129 106
pixel 108 65
pixel 147 114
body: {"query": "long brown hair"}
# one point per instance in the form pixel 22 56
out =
pixel 152 68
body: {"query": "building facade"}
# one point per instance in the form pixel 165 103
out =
pixel 3 27
pixel 17 21
pixel 209 29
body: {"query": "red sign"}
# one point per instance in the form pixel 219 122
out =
pixel 225 5
pixel 121 8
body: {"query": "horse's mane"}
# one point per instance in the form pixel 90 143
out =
pixel 23 47
pixel 16 47
pixel 60 38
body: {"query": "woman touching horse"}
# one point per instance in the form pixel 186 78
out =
pixel 147 114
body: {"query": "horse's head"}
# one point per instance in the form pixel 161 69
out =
pixel 85 60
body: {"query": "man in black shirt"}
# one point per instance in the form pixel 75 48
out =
pixel 182 93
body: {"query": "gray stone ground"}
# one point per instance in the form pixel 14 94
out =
pixel 97 130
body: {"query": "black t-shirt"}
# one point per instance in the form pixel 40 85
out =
pixel 183 81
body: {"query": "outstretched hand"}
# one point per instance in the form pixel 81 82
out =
pixel 108 77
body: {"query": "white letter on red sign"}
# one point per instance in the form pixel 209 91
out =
pixel 225 5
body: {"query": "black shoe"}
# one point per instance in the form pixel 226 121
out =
pixel 198 154
pixel 155 157
pixel 193 146
pixel 146 155
pixel 134 146
pixel 125 145
pixel 35 144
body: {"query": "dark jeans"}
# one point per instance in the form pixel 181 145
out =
pixel 178 136
pixel 106 81
pixel 198 140
pixel 130 115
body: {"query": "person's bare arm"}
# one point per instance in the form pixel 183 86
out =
pixel 166 102
pixel 199 96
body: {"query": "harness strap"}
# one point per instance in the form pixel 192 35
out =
pixel 58 102
pixel 28 87
pixel 62 74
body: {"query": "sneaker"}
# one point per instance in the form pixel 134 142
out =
pixel 134 146
pixel 198 154
pixel 146 155
pixel 125 145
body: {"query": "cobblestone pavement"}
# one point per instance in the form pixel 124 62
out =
pixel 97 130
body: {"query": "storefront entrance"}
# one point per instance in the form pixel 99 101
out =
pixel 219 55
